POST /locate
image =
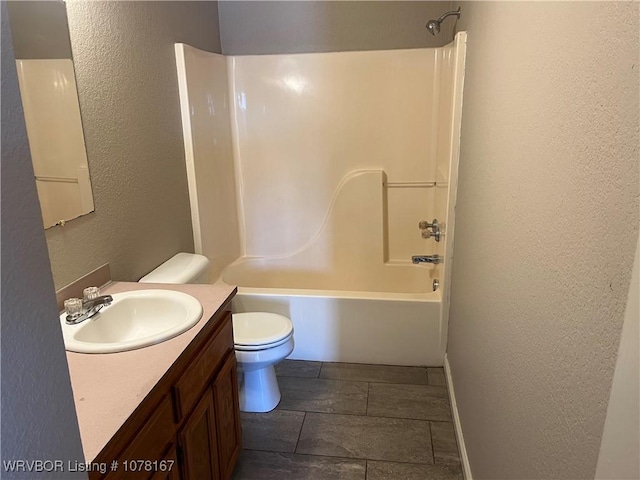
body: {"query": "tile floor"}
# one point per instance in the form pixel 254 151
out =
pixel 352 422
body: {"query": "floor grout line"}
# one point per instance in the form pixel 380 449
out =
pixel 300 432
pixel 342 457
pixel 406 384
pixel 324 379
pixel 373 364
pixel 382 383
pixel 366 410
pixel 365 415
pixel 365 381
pixel 433 451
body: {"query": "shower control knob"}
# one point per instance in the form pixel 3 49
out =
pixel 428 234
pixel 433 225
pixel 430 229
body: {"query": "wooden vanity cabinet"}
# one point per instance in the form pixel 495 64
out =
pixel 190 420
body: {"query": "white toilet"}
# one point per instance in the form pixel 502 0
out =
pixel 261 339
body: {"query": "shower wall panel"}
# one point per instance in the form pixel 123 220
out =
pixel 205 106
pixel 302 123
pixel 442 132
pixel 452 83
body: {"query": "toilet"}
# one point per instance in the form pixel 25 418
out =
pixel 261 339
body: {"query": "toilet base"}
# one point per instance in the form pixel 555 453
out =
pixel 258 390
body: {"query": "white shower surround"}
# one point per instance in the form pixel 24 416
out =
pixel 319 236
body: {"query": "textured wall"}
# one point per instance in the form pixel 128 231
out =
pixel 128 89
pixel 546 228
pixel 34 366
pixel 259 27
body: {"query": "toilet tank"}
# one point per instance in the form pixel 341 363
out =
pixel 181 268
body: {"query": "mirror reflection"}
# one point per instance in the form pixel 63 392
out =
pixel 51 109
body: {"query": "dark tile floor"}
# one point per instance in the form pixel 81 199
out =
pixel 352 422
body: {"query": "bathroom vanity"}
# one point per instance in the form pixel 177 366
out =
pixel 167 411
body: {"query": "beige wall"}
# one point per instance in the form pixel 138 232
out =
pixel 128 89
pixel 546 228
pixel 259 27
pixel 38 415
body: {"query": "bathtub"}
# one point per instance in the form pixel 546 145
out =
pixel 380 325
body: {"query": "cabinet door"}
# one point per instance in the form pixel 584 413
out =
pixel 198 441
pixel 225 395
pixel 148 445
pixel 170 460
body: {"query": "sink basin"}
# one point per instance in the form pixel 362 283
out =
pixel 133 320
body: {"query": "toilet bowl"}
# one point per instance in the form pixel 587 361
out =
pixel 261 340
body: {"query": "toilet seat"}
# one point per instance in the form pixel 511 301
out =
pixel 260 330
pixel 254 348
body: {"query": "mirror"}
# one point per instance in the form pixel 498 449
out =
pixel 51 108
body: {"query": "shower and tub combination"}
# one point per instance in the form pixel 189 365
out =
pixel 314 182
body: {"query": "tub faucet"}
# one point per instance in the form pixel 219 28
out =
pixel 426 259
pixel 86 308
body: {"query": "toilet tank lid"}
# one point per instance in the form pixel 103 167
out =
pixel 181 268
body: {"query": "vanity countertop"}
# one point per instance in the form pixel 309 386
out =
pixel 107 388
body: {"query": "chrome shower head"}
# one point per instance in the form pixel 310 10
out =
pixel 434 25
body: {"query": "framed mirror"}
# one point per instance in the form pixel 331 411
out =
pixel 51 108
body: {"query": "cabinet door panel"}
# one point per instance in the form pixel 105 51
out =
pixel 225 394
pixel 148 444
pixel 170 460
pixel 198 441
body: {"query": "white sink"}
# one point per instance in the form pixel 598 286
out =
pixel 133 320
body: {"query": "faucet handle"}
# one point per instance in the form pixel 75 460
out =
pixel 91 293
pixel 73 307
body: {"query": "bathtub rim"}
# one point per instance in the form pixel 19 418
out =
pixel 346 294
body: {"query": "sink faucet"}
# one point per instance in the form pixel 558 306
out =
pixel 426 259
pixel 86 308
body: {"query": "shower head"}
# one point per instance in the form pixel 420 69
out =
pixel 434 25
